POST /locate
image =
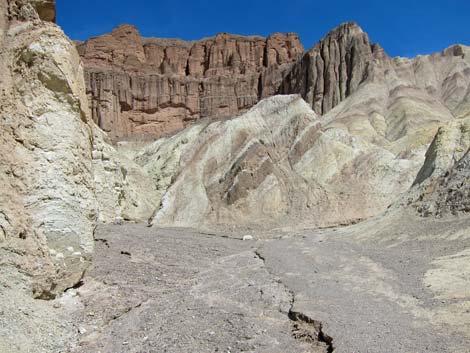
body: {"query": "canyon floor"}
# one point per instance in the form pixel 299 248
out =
pixel 390 284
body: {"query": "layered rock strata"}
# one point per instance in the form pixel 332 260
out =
pixel 346 61
pixel 278 164
pixel 155 87
pixel 442 186
pixel 149 87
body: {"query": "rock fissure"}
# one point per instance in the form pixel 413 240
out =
pixel 304 328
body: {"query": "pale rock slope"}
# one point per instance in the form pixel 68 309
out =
pixel 442 186
pixel 269 167
pixel 397 104
pixel 276 164
pixel 124 191
pixel 345 62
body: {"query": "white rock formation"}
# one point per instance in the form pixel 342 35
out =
pixel 442 186
pixel 56 170
pixel 124 191
pixel 274 165
pixel 46 168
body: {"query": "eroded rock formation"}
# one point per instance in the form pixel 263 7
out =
pixel 47 203
pixel 345 63
pixel 57 173
pixel 442 186
pixel 154 87
pixel 124 191
pixel 275 165
pixel 334 68
pixel 367 149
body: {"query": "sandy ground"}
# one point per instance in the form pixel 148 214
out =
pixel 392 284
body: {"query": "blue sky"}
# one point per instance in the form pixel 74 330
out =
pixel 402 27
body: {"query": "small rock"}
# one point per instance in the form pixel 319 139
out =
pixel 247 237
pixel 118 221
pixel 96 155
pixel 82 330
pixel 125 343
pixel 57 306
pixel 70 249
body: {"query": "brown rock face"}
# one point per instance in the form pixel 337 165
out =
pixel 334 68
pixel 152 87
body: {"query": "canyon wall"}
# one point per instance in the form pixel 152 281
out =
pixel 58 174
pixel 47 204
pixel 379 117
pixel 149 87
pixel 346 63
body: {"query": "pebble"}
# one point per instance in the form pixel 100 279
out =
pixel 82 330
pixel 247 237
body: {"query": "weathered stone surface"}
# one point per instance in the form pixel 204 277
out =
pixel 48 210
pixel 153 87
pixel 47 203
pixel 345 63
pixel 334 68
pixel 124 191
pixel 277 164
pixel 442 186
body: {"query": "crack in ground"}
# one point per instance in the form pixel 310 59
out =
pixel 309 330
pixel 304 328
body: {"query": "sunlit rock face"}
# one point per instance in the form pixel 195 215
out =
pixel 442 186
pixel 47 204
pixel 148 87
pixel 277 164
pixel 380 116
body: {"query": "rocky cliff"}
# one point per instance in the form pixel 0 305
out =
pixel 334 68
pixel 380 116
pixel 47 204
pixel 147 87
pixel 346 62
pixel 154 87
pixel 58 175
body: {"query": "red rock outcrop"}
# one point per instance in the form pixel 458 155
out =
pixel 153 87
